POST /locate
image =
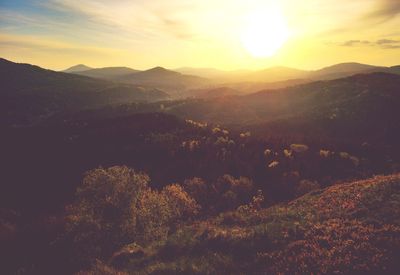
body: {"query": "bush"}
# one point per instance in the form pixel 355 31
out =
pixel 181 204
pixel 198 189
pixel 115 207
pixel 153 216
pixel 233 192
pixel 103 216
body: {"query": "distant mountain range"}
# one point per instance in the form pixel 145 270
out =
pixel 30 93
pixel 173 82
pixel 350 105
pixel 77 68
pixel 180 83
pixel 364 107
pixel 277 74
pixel 109 73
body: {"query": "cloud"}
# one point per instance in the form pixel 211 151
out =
pixel 351 43
pixel 140 19
pixel 391 46
pixel 387 41
pixel 381 43
pixel 385 10
pixel 44 44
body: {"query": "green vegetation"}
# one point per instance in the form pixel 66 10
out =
pixel 351 228
pixel 263 183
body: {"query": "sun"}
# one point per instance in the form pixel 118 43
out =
pixel 264 32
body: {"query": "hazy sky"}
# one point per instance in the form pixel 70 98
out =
pixel 199 33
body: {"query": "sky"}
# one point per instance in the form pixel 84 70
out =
pixel 141 34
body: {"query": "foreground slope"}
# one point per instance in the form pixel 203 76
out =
pixel 350 228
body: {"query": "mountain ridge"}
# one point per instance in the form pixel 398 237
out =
pixel 30 93
pixel 77 68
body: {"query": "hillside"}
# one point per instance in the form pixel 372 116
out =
pixel 361 107
pixel 350 228
pixel 275 74
pixel 77 68
pixel 343 70
pixel 173 82
pixel 29 93
pixel 109 73
pixel 279 73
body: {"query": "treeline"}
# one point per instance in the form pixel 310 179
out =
pixel 48 161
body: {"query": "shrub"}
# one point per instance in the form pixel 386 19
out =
pixel 103 216
pixel 153 216
pixel 233 192
pixel 181 204
pixel 115 207
pixel 198 190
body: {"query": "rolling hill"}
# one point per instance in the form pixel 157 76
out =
pixel 275 74
pixel 173 82
pixel 279 73
pixel 364 106
pixel 29 93
pixel 343 70
pixel 109 73
pixel 182 82
pixel 77 68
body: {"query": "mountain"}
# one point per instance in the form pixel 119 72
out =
pixel 29 93
pixel 109 73
pixel 394 69
pixel 173 82
pixel 279 73
pixel 337 230
pixel 77 68
pixel 391 70
pixel 275 74
pixel 214 92
pixel 343 70
pixel 360 107
pixel 211 73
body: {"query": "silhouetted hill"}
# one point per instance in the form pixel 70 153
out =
pixel 219 75
pixel 343 70
pixel 394 70
pixel 173 82
pixel 110 73
pixel 275 74
pixel 279 73
pixel 364 106
pixel 332 72
pixel 30 93
pixel 77 68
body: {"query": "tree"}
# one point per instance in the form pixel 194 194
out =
pixel 198 189
pixel 115 207
pixel 103 217
pixel 181 204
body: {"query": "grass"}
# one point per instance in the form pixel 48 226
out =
pixel 351 228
